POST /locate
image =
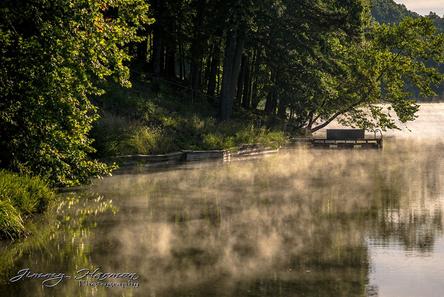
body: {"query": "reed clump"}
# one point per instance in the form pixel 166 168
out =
pixel 20 197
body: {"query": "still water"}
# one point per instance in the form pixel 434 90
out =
pixel 301 223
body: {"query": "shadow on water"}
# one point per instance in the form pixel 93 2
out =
pixel 296 224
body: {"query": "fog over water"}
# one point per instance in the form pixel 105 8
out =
pixel 303 222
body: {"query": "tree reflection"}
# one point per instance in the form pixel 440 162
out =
pixel 59 242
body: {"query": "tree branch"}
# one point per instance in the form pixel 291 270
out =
pixel 335 115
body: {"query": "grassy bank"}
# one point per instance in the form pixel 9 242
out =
pixel 20 197
pixel 160 118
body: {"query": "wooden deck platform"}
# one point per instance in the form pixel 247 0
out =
pixel 348 139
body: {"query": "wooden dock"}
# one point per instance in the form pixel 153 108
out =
pixel 348 139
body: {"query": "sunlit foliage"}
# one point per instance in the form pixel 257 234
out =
pixel 54 55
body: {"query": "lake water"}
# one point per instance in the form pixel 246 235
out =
pixel 301 223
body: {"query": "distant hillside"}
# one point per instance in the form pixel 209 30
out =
pixel 387 11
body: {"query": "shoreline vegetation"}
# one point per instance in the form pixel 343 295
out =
pixel 21 196
pixel 142 121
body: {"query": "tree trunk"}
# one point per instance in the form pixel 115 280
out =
pixel 241 80
pixel 170 62
pixel 246 98
pixel 212 77
pixel 232 63
pixel 255 92
pixel 158 55
pixel 181 61
pixel 195 70
pixel 270 104
pixel 142 50
pixel 255 95
pixel 282 108
pixel 197 48
pixel 158 50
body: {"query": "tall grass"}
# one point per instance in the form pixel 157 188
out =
pixel 11 222
pixel 116 135
pixel 138 121
pixel 20 196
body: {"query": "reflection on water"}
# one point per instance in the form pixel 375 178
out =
pixel 301 223
pixel 59 242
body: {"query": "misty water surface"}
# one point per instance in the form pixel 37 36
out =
pixel 300 223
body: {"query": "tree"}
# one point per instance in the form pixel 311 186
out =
pixel 54 56
pixel 295 58
pixel 378 70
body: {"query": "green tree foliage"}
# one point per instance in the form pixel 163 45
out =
pixel 388 12
pixel 54 56
pixel 296 60
pixel 379 68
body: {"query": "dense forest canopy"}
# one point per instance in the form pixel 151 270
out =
pixel 302 63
